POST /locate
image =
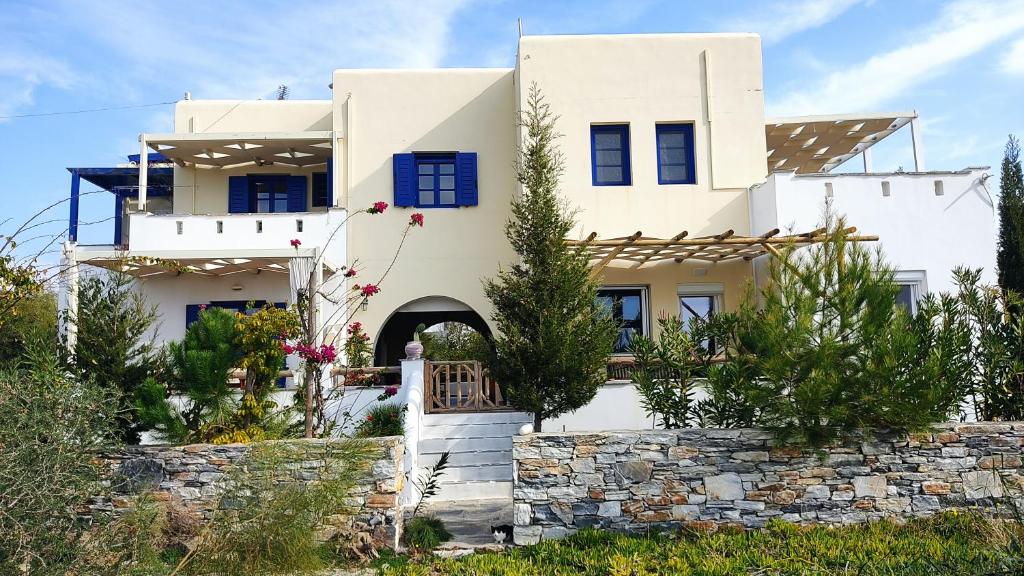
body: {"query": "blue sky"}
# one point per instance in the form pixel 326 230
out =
pixel 960 64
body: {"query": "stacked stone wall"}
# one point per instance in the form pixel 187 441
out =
pixel 643 480
pixel 192 478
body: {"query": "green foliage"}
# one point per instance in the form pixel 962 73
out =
pixel 945 545
pixel 358 352
pixel 32 322
pixel 387 419
pixel 425 532
pixel 555 338
pixel 50 428
pixel 454 341
pixel 258 339
pixel 997 350
pixel 1010 254
pixel 666 368
pixel 427 484
pixel 200 366
pixel 267 522
pixel 112 348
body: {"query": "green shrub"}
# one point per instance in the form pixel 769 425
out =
pixel 50 429
pixel 425 532
pixel 945 545
pixel 386 419
pixel 268 523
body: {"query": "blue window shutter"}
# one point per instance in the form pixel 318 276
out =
pixel 330 182
pixel 296 193
pixel 191 313
pixel 466 185
pixel 405 179
pixel 238 194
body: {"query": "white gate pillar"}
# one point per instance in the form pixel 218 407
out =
pixel 411 395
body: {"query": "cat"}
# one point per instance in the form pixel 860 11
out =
pixel 502 533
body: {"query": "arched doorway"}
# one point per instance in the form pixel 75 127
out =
pixel 429 311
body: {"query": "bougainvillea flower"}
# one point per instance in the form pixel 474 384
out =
pixel 416 219
pixel 295 242
pixel 370 290
pixel 377 208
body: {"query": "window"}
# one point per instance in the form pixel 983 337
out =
pixel 609 154
pixel 270 193
pixel 628 306
pixel 698 301
pixel 675 154
pixel 320 190
pixel 913 286
pixel 435 180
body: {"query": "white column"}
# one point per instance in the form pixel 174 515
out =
pixel 915 138
pixel 143 172
pixel 69 294
pixel 411 394
pixel 866 156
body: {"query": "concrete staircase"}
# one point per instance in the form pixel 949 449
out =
pixel 480 443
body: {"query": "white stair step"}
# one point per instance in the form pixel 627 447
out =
pixel 460 474
pixel 491 430
pixel 477 418
pixel 469 458
pixel 453 445
pixel 473 491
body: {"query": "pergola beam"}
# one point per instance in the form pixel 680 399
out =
pixel 596 269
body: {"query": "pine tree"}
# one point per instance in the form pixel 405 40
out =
pixel 1010 255
pixel 555 338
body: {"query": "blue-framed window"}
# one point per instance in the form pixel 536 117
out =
pixel 269 193
pixel 675 154
pixel 435 181
pixel 609 154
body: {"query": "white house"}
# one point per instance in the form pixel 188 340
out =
pixel 681 183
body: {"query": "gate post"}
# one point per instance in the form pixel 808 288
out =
pixel 412 395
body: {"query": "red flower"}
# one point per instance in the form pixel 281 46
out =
pixel 369 417
pixel 350 272
pixel 355 327
pixel 416 219
pixel 370 290
pixel 202 307
pixel 391 391
pixel 295 242
pixel 377 208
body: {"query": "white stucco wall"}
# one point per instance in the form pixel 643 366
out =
pixel 711 80
pixel 396 111
pixel 918 230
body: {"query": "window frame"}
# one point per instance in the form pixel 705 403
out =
pixel 254 201
pixel 437 158
pixel 645 307
pixel 622 129
pixel 918 282
pixel 687 129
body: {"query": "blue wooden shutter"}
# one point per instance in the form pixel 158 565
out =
pixel 192 310
pixel 296 193
pixel 405 179
pixel 330 182
pixel 238 194
pixel 465 183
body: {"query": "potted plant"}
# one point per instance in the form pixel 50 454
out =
pixel 414 349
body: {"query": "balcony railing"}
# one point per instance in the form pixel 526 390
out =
pixel 461 386
pixel 230 231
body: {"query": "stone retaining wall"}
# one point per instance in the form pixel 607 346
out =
pixel 633 481
pixel 191 476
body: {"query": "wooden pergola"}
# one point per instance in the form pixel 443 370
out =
pixel 638 250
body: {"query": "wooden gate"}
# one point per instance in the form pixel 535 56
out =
pixel 461 386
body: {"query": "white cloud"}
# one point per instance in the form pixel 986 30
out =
pixel 1012 61
pixel 962 29
pixel 779 20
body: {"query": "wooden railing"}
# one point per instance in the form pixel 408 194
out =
pixel 460 386
pixel 622 368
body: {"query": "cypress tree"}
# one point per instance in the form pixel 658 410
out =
pixel 554 337
pixel 1010 254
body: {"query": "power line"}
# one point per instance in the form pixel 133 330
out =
pixel 86 111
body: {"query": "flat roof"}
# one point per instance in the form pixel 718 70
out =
pixel 810 144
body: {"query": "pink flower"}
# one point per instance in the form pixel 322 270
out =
pixel 295 242
pixel 391 391
pixel 355 327
pixel 202 307
pixel 370 290
pixel 377 208
pixel 416 220
pixel 350 272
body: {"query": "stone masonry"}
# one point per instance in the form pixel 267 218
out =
pixel 190 476
pixel 658 479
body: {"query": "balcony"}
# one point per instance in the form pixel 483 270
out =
pixel 233 232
